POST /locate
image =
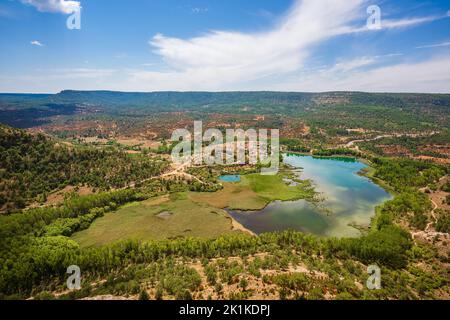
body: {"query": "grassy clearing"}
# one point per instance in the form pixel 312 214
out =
pixel 274 188
pixel 192 214
pixel 140 221
pixel 233 196
pixel 255 192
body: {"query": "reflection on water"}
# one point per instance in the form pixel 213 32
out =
pixel 350 197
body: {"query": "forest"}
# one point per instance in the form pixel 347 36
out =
pixel 35 248
pixel 333 111
pixel 407 174
pixel 33 166
pixel 432 146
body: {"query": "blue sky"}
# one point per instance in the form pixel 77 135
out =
pixel 216 45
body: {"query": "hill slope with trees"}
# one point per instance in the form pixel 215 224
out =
pixel 33 166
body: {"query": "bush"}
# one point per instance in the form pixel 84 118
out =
pixel 419 221
pixel 211 275
pixel 143 296
pixel 443 221
pixel 183 295
pixel 159 294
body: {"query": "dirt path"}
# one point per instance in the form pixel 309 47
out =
pixel 429 233
pixel 352 144
pixel 433 215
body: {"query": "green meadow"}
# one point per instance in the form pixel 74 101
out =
pixel 191 214
pixel 256 191
pixel 156 219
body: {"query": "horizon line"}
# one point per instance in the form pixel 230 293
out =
pixel 223 91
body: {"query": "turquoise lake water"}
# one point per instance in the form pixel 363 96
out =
pixel 231 178
pixel 349 198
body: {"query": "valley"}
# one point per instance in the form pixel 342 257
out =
pixel 363 180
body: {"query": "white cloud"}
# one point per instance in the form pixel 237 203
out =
pixel 271 60
pixel 431 75
pixel 220 60
pixel 362 74
pixel 388 24
pixel 223 57
pixel 353 64
pixel 443 44
pixel 57 6
pixel 199 10
pixel 403 23
pixel 36 43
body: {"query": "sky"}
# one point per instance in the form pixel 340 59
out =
pixel 217 45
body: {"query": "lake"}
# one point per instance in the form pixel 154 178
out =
pixel 349 199
pixel 230 178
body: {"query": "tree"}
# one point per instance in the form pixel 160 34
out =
pixel 243 284
pixel 144 295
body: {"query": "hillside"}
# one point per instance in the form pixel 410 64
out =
pixel 24 110
pixel 33 166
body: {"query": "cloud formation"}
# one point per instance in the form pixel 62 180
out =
pixel 388 24
pixel 56 6
pixel 227 57
pixel 403 23
pixel 431 75
pixel 197 10
pixel 277 59
pixel 436 45
pixel 370 74
pixel 36 43
pixel 220 60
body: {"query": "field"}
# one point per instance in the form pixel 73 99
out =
pixel 191 214
pixel 255 192
pixel 156 219
pixel 233 196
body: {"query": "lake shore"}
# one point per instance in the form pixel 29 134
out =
pixel 352 199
